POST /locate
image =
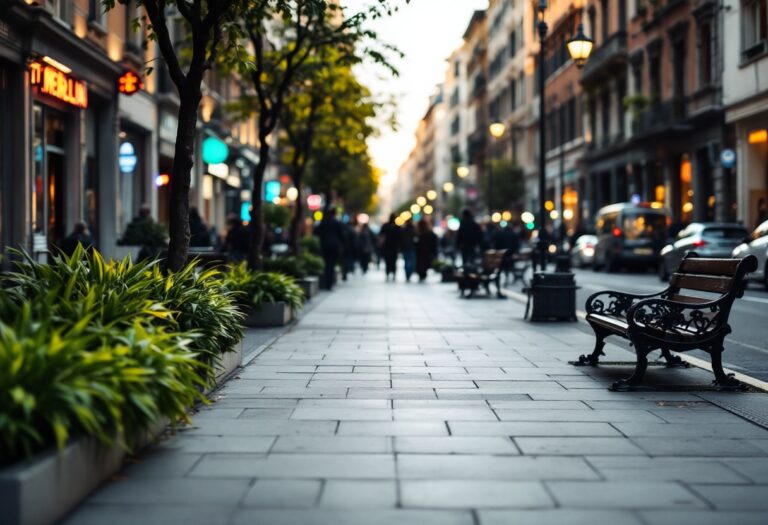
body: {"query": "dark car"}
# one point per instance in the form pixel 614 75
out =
pixel 629 234
pixel 707 239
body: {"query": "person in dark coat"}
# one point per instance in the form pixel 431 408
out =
pixel 390 238
pixel 331 234
pixel 80 235
pixel 198 231
pixel 426 248
pixel 409 249
pixel 238 240
pixel 469 238
pixel 367 242
pixel 350 250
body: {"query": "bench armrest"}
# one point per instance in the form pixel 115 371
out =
pixel 611 302
pixel 676 318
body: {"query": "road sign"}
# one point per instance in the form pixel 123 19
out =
pixel 727 158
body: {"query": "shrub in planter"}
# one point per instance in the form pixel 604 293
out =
pixel 61 382
pixel 310 245
pixel 290 265
pixel 264 287
pixel 313 264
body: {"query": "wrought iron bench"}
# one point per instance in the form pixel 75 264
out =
pixel 692 313
pixel 470 279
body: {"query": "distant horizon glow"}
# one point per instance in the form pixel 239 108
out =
pixel 427 32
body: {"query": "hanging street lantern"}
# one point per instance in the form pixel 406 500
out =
pixel 580 47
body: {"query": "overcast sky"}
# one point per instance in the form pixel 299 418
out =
pixel 427 31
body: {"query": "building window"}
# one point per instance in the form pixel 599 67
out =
pixel 513 43
pixel 457 69
pixel 513 94
pixel 96 13
pixel 592 22
pixel 454 101
pixel 604 20
pixel 606 116
pixel 754 28
pixel 521 86
pixel 58 8
pixel 637 77
pixel 705 54
pixel 455 125
pixel 621 90
pixel 622 15
pixel 654 76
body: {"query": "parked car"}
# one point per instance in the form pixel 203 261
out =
pixel 757 245
pixel 583 251
pixel 629 234
pixel 708 239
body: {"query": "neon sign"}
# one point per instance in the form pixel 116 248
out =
pixel 58 84
pixel 129 83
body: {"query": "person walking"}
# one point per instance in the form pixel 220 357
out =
pixel 426 248
pixel 349 251
pixel 237 243
pixel 199 236
pixel 469 238
pixel 331 234
pixel 367 242
pixel 409 249
pixel 80 235
pixel 390 238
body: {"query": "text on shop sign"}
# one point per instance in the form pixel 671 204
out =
pixel 58 84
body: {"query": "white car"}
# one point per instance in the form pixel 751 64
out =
pixel 757 245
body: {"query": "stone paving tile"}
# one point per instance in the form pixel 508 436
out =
pixel 624 495
pixel 543 429
pixel 162 514
pixel 206 444
pixel 296 466
pixel 172 491
pixel 576 446
pixel 352 517
pixel 359 494
pixel 734 497
pixel 738 429
pixel 343 414
pixel 455 445
pixel 345 403
pixel 392 428
pixel 486 467
pixel 608 416
pixel 683 517
pixel 262 427
pixel 558 517
pixel 265 413
pixel 444 414
pixel 754 469
pixel 709 447
pixel 688 470
pixel 334 444
pixel 280 493
pixel 162 463
pixel 465 494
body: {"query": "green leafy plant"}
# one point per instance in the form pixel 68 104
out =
pixel 313 264
pixel 310 245
pixel 144 232
pixel 290 265
pixel 276 216
pixel 264 287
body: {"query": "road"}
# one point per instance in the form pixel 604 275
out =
pixel 746 349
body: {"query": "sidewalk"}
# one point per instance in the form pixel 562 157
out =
pixel 403 404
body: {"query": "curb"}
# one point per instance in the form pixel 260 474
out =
pixel 693 361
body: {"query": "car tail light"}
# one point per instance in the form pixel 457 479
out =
pixel 699 243
pixel 617 232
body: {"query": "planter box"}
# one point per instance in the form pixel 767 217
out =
pixel 269 314
pixel 44 488
pixel 230 361
pixel 310 285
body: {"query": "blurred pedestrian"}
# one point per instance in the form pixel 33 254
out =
pixel 469 238
pixel 426 248
pixel 409 249
pixel 448 245
pixel 367 243
pixel 390 238
pixel 349 249
pixel 79 236
pixel 199 236
pixel 237 242
pixel 331 234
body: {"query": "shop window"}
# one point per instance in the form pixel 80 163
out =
pixel 686 190
pixel 754 28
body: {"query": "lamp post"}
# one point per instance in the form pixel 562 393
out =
pixel 496 129
pixel 579 48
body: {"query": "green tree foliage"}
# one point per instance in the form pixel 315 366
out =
pixel 508 185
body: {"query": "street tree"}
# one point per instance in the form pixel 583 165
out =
pixel 283 36
pixel 212 34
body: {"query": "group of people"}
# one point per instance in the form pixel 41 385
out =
pixel 344 244
pixel 418 244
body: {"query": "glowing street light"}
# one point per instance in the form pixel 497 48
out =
pixel 496 217
pixel 421 201
pixel 462 172
pixel 497 129
pixel 507 216
pixel 527 217
pixel 415 208
pixel 448 187
pixel 428 209
pixel 431 195
pixel 292 194
pixel 580 47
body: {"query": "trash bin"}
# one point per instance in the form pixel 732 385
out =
pixel 552 297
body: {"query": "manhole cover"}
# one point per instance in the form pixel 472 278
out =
pixel 752 406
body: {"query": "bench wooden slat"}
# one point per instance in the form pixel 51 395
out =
pixel 702 283
pixel 696 265
pixel 689 299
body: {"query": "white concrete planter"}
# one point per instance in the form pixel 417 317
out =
pixel 44 488
pixel 119 253
pixel 269 314
pixel 230 361
pixel 310 285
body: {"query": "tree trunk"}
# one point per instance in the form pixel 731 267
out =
pixel 181 173
pixel 257 216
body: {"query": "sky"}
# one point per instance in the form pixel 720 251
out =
pixel 426 31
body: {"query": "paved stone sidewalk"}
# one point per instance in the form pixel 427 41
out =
pixel 403 404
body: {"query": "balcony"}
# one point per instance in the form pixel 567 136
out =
pixel 660 117
pixel 606 58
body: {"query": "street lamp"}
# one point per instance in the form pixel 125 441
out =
pixel 448 187
pixel 462 172
pixel 496 129
pixel 541 245
pixel 580 47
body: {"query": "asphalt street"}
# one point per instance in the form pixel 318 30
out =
pixel 746 348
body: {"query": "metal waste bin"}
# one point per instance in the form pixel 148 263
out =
pixel 552 297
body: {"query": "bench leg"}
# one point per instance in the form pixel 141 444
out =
pixel 723 380
pixel 637 376
pixel 593 358
pixel 673 361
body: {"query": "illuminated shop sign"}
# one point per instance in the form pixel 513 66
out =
pixel 129 83
pixel 57 84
